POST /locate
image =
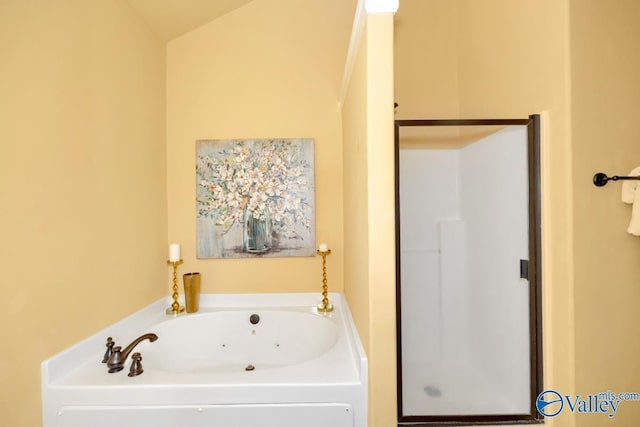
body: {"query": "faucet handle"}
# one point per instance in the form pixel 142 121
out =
pixel 109 352
pixel 136 366
pixel 115 362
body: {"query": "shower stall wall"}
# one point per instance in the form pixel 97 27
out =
pixel 464 218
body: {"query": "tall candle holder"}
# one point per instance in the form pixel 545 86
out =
pixel 175 308
pixel 325 306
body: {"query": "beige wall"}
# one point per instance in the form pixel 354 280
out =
pixel 382 357
pixel 510 59
pixel 426 59
pixel 83 222
pixel 356 196
pixel 605 96
pixel 369 214
pixel 244 76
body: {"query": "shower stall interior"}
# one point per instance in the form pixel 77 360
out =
pixel 468 270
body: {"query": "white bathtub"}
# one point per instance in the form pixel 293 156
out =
pixel 309 369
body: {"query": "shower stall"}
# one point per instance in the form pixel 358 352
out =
pixel 468 270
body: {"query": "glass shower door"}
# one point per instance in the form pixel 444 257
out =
pixel 467 294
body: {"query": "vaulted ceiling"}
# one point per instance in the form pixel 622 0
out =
pixel 172 18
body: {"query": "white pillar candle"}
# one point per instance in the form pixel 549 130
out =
pixel 323 247
pixel 174 252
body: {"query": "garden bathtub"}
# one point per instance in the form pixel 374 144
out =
pixel 242 360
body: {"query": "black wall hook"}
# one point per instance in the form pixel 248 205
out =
pixel 600 179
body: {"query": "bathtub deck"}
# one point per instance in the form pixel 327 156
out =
pixel 77 388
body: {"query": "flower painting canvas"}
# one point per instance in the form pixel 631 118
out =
pixel 255 198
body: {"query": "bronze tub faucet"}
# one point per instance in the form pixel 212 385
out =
pixel 119 357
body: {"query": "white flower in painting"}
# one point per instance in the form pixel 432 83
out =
pixel 291 203
pixel 278 211
pixel 234 199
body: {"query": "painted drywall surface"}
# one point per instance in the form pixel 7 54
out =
pixel 244 76
pixel 356 203
pixel 426 59
pixel 604 93
pixel 512 61
pixel 381 211
pixel 82 181
pixel 369 213
pixel 169 19
pixel 356 197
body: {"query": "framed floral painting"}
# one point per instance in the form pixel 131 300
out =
pixel 255 198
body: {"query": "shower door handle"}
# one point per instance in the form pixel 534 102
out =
pixel 524 269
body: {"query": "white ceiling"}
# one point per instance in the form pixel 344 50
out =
pixel 172 18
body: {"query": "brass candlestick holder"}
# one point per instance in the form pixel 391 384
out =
pixel 175 308
pixel 325 306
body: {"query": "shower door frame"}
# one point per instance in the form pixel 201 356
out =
pixel 534 277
